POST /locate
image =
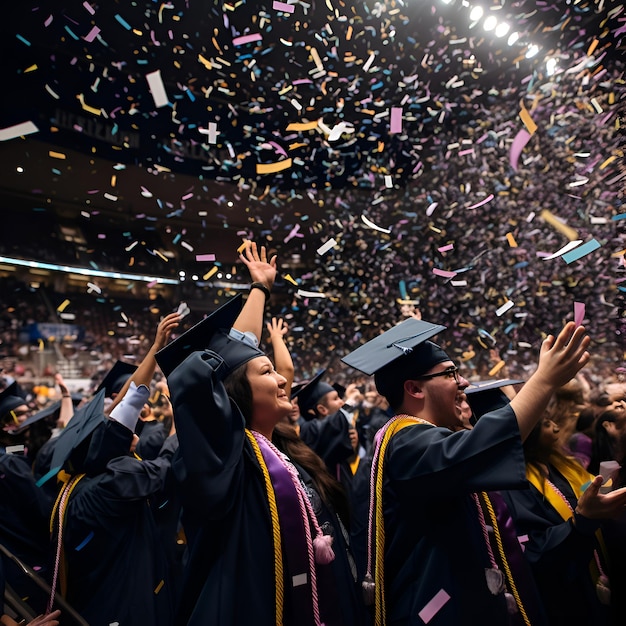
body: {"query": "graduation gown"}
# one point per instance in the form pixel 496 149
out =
pixel 329 438
pixel 116 570
pixel 559 554
pixel 434 540
pixel 230 574
pixel 24 519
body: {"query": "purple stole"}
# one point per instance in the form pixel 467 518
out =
pixel 517 561
pixel 293 538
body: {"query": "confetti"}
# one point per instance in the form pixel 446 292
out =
pixel 504 308
pixel 240 41
pixel 157 88
pixel 283 6
pixel 309 294
pixel 18 130
pixel 373 226
pixel 205 257
pixel 549 217
pixel 272 168
pixel 433 606
pixel 329 245
pixel 579 313
pixel 581 251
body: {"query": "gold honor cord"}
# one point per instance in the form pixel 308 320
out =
pixel 505 563
pixel 401 422
pixel 278 554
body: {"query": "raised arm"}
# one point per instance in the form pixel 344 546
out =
pixel 145 371
pixel 263 272
pixel 283 362
pixel 560 360
pixel 67 406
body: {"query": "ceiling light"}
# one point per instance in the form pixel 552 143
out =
pixel 532 51
pixel 502 29
pixel 490 22
pixel 551 66
pixel 476 13
pixel 513 37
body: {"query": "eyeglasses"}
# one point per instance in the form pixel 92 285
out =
pixel 450 372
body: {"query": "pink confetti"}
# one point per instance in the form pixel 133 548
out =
pixel 520 141
pixel 395 125
pixel 579 313
pixel 205 257
pixel 92 34
pixel 450 246
pixel 443 273
pixel 48 21
pixel 152 283
pixel 89 8
pixel 187 196
pixel 283 6
pixel 434 606
pixel 489 198
pixel 240 41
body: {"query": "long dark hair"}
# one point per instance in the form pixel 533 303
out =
pixel 604 447
pixel 285 437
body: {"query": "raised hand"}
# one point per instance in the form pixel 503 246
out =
pixel 164 330
pixel 595 505
pixel 261 270
pixel 562 358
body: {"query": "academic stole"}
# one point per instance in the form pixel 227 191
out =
pixel 576 477
pixel 288 532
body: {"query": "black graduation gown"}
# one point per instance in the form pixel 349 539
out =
pixel 116 567
pixel 151 435
pixel 559 555
pixel 229 577
pixel 24 520
pixel 329 438
pixel 434 540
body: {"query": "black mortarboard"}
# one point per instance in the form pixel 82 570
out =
pixel 47 411
pixel 116 377
pixel 86 419
pixel 310 394
pixel 340 389
pixel 10 399
pixel 210 334
pixel 486 396
pixel 400 353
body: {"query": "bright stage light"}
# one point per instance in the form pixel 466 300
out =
pixel 502 29
pixel 476 13
pixel 513 37
pixel 490 22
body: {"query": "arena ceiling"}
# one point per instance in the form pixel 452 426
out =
pixel 187 125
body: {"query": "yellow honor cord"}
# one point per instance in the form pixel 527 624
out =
pixel 278 554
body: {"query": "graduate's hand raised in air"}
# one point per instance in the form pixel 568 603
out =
pixel 261 270
pixel 595 505
pixel 164 330
pixel 562 358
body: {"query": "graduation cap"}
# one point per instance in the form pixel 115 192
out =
pixel 10 399
pixel 116 377
pixel 400 353
pixel 46 412
pixel 486 396
pixel 210 334
pixel 79 428
pixel 311 393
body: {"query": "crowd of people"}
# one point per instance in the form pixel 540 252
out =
pixel 212 470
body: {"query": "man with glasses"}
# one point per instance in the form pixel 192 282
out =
pixel 431 556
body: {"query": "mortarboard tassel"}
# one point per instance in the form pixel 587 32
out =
pixel 322 545
pixel 369 590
